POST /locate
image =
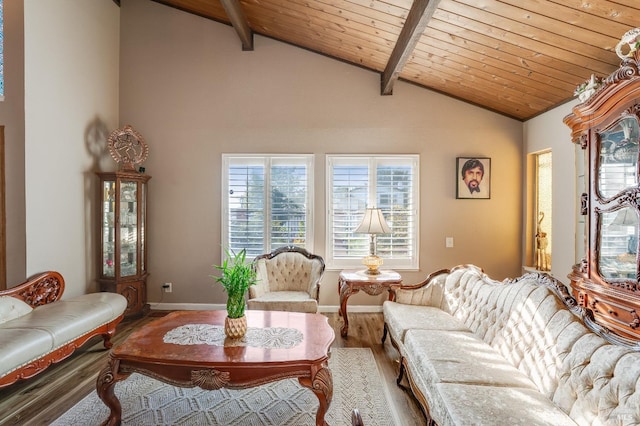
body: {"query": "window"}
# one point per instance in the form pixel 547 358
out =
pixel 387 182
pixel 266 202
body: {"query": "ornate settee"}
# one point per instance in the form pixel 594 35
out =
pixel 479 351
pixel 38 329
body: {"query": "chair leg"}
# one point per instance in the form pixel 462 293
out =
pixel 356 418
pixel 400 374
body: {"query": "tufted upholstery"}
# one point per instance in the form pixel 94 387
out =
pixel 502 341
pixel 288 279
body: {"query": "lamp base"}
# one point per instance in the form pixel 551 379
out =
pixel 372 262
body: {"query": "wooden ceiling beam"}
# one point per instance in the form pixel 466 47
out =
pixel 239 22
pixel 417 21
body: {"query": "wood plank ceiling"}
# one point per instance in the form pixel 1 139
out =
pixel 516 57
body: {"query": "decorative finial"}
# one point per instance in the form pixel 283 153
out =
pixel 632 39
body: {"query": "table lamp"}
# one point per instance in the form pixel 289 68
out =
pixel 373 223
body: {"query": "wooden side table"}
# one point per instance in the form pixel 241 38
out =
pixel 352 281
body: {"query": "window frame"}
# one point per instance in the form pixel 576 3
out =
pixel 268 161
pixel 410 263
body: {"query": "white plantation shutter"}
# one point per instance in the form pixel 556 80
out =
pixel 266 202
pixel 387 182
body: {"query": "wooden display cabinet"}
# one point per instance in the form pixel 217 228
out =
pixel 123 244
pixel 607 127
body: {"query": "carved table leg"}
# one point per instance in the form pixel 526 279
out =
pixel 321 383
pixel 346 291
pixel 105 388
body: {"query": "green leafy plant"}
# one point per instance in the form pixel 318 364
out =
pixel 237 275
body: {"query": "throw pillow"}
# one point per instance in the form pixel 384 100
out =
pixel 12 308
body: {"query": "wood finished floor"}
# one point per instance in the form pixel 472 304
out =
pixel 42 399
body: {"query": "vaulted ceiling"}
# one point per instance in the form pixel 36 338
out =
pixel 516 57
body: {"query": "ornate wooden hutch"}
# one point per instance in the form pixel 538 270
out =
pixel 123 248
pixel 607 126
pixel 123 221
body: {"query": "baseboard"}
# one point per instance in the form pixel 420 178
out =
pixel 219 306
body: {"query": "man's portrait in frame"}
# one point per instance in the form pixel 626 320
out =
pixel 473 177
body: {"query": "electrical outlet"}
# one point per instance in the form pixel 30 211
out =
pixel 448 242
pixel 167 287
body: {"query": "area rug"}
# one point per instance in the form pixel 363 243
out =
pixel 357 383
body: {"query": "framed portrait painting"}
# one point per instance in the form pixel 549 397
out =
pixel 473 178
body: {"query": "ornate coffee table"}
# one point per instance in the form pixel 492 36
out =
pixel 188 349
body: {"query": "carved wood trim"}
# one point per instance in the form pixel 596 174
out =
pixel 210 379
pixel 40 289
pixel 421 284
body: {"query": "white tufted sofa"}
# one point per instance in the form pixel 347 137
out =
pixel 288 279
pixel 37 329
pixel 481 352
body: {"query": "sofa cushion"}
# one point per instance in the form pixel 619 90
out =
pixel 20 346
pixel 12 308
pixel 298 301
pixel 65 320
pixel 463 404
pixel 460 357
pixel 401 317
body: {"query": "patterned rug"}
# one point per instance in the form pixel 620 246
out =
pixel 145 401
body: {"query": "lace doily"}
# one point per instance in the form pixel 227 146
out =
pixel 208 334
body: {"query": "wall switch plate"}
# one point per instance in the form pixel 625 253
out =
pixel 448 242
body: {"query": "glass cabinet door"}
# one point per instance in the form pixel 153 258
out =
pixel 618 158
pixel 122 225
pixel 142 227
pixel 616 211
pixel 618 243
pixel 128 228
pixel 108 228
pixel 122 248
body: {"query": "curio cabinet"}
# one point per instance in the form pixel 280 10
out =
pixel 123 245
pixel 606 125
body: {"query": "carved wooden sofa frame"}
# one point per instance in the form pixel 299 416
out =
pixel 42 289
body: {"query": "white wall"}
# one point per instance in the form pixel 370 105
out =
pixel 12 117
pixel 191 91
pixel 547 131
pixel 71 101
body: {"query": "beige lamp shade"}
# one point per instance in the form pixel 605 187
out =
pixel 373 223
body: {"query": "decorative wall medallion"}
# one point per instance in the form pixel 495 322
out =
pixel 127 147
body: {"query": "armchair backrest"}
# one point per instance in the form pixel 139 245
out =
pixel 290 269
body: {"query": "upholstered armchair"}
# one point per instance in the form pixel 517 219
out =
pixel 288 279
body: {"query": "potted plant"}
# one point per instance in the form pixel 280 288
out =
pixel 236 277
